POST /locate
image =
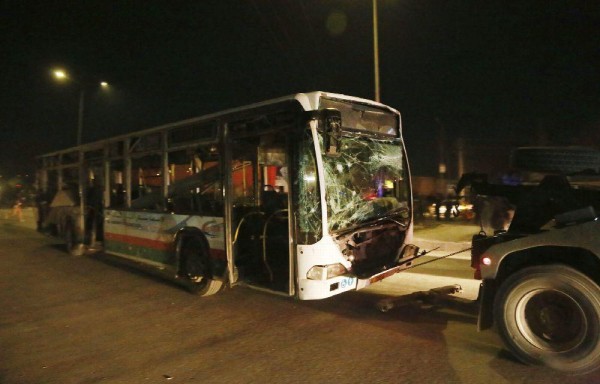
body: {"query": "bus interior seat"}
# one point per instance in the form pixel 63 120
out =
pixel 271 202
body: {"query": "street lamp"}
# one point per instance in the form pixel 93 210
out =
pixel 376 51
pixel 62 75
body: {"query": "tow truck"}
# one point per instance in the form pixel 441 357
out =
pixel 540 278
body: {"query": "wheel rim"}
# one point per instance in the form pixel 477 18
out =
pixel 551 320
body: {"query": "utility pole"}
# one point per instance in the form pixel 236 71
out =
pixel 376 51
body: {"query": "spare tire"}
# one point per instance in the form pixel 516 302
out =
pixel 565 160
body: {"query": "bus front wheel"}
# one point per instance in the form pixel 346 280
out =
pixel 195 266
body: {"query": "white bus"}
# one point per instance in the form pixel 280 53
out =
pixel 306 196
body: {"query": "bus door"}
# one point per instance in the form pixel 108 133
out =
pixel 259 223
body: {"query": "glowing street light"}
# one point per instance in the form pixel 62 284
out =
pixel 60 74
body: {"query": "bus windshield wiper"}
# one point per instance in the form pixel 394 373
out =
pixel 393 216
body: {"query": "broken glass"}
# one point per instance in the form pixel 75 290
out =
pixel 309 202
pixel 365 182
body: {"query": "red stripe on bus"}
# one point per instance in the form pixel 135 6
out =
pixel 156 244
pixel 140 241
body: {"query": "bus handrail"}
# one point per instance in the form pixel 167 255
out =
pixel 237 229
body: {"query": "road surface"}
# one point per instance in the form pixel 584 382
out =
pixel 85 320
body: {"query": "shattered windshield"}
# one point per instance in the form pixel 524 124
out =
pixel 367 181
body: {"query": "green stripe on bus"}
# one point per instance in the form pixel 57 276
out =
pixel 140 252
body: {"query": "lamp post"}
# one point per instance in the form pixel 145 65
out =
pixel 61 75
pixel 376 51
pixel 80 115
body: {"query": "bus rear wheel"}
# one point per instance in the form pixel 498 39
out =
pixel 550 315
pixel 195 266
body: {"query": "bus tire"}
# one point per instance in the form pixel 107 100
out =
pixel 73 248
pixel 550 315
pixel 195 267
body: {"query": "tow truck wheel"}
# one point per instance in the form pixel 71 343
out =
pixel 195 265
pixel 550 315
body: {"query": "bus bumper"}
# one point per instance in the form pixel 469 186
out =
pixel 321 289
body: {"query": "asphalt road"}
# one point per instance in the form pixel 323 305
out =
pixel 85 320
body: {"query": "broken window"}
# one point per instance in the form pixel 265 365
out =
pixel 146 175
pixel 365 182
pixel 117 186
pixel 195 181
pixel 309 200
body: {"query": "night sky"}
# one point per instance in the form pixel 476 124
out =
pixel 484 70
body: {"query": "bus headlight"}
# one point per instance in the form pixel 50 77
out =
pixel 324 272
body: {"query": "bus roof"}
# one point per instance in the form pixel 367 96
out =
pixel 309 101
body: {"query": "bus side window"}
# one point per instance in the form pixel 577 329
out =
pixel 117 196
pixel 209 202
pixel 181 204
pixel 117 189
pixel 195 181
pixel 146 181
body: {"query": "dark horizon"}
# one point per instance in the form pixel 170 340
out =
pixel 527 71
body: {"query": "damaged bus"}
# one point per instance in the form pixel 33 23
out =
pixel 306 196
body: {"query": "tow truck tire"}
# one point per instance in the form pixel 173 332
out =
pixel 550 315
pixel 195 265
